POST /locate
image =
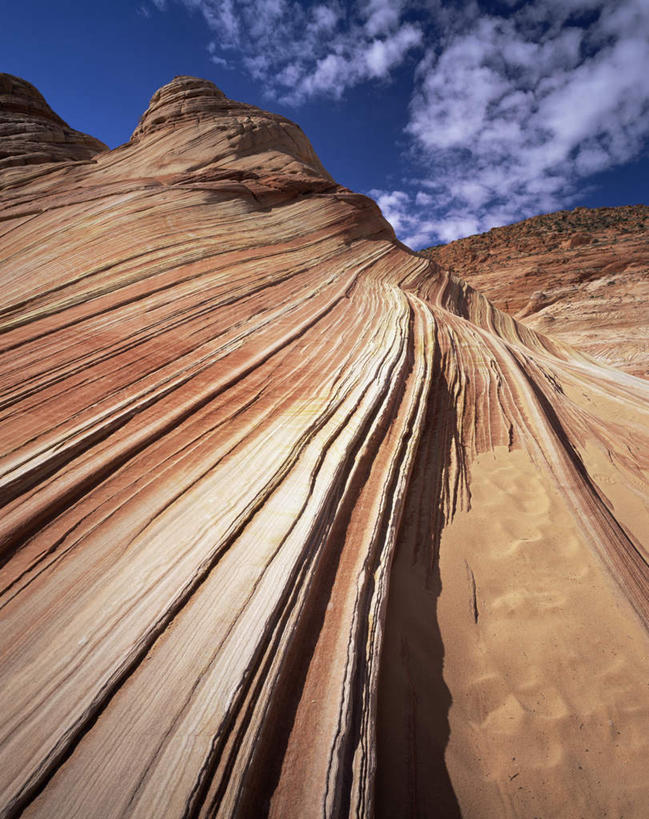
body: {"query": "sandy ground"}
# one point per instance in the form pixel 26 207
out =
pixel 548 669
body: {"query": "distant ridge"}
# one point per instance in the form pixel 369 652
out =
pixel 581 275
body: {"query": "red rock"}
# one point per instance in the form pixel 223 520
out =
pixel 579 239
pixel 294 521
pixel 32 134
pixel 595 281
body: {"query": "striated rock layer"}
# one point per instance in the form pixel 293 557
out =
pixel 32 134
pixel 295 523
pixel 581 275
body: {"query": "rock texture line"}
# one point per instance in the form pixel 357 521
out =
pixel 295 522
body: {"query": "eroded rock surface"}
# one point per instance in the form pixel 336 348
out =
pixel 32 134
pixel 294 522
pixel 580 275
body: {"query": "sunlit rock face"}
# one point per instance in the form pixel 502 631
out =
pixel 295 523
pixel 580 275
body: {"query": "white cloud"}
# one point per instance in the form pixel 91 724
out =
pixel 215 58
pixel 423 199
pixel 395 206
pixel 324 18
pixel 408 216
pixel 303 50
pixel 507 120
pixel 382 16
pixel 382 55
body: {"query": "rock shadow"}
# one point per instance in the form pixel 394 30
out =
pixel 412 727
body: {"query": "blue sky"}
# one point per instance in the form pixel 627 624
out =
pixel 456 116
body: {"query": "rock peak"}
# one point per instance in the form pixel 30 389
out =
pixel 188 81
pixel 196 125
pixel 31 133
pixel 181 99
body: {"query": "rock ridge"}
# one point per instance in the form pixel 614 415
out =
pixel 580 275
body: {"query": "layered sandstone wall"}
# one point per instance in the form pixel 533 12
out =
pixel 32 134
pixel 294 521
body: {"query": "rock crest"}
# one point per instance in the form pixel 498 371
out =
pixel 31 133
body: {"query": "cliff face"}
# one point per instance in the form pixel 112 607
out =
pixel 294 522
pixel 581 275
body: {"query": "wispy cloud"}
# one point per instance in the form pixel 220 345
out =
pixel 509 112
pixel 414 219
pixel 302 51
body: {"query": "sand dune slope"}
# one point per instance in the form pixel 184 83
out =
pixel 293 522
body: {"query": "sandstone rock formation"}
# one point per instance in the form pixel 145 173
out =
pixel 581 275
pixel 32 134
pixel 294 522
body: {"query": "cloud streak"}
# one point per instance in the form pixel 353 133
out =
pixel 301 51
